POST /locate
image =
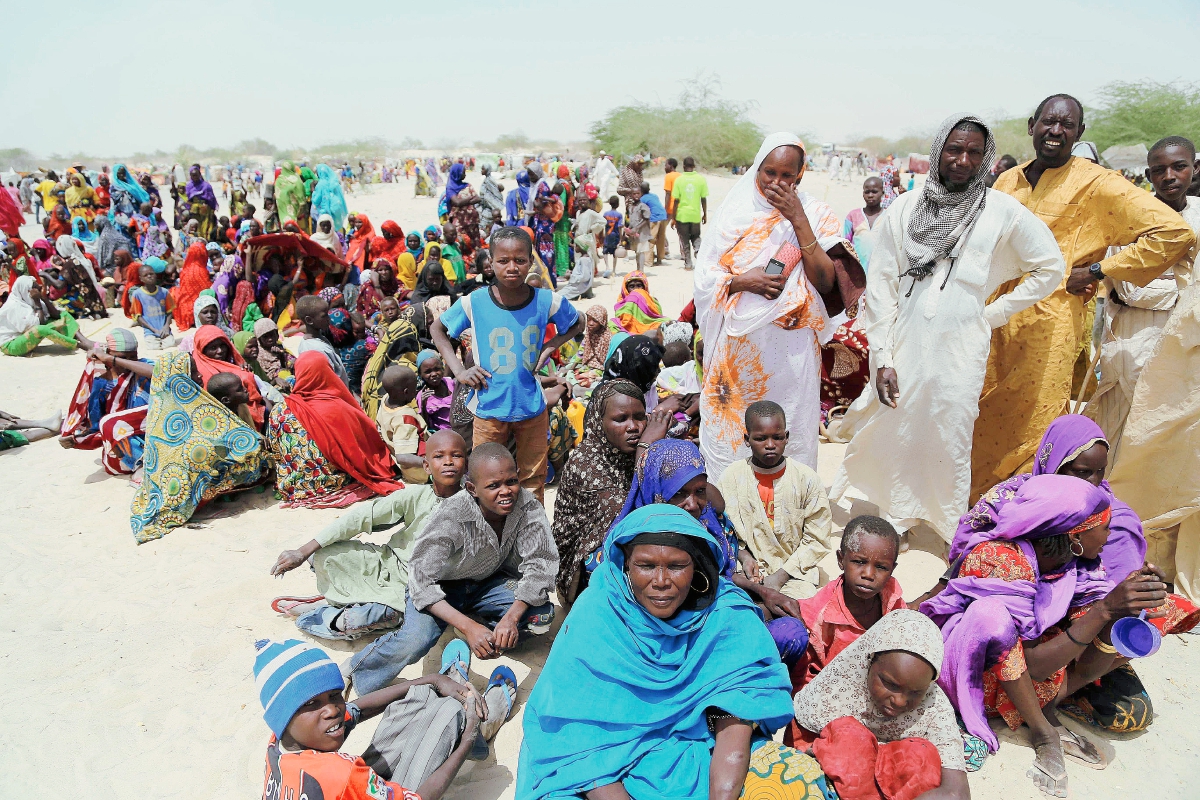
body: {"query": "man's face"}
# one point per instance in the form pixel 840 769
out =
pixel 961 158
pixel 450 233
pixel 1171 170
pixel 511 262
pixel 1056 131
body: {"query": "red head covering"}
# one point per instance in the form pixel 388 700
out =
pixel 208 367
pixel 388 248
pixel 11 218
pixel 193 279
pixel 564 172
pixel 342 432
pixel 356 250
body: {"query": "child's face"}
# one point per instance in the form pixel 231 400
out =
pixel 495 486
pixel 148 279
pixel 445 460
pixel 866 570
pixel 432 371
pixel 251 350
pixel 319 321
pixel 269 339
pixel 431 236
pixel 635 284
pixel 359 328
pixel 412 241
pixel 389 309
pixel 236 399
pixel 512 260
pixel 207 315
pixel 319 724
pixel 693 496
pixel 767 438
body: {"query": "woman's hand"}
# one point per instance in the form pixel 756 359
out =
pixel 785 201
pixel 778 603
pixel 757 281
pixel 1142 590
pixel 658 422
pixel 887 386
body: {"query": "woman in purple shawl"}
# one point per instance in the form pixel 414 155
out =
pixel 203 202
pixel 1026 617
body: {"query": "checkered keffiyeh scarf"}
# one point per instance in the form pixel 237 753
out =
pixel 940 217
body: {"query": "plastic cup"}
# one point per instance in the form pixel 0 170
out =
pixel 1134 637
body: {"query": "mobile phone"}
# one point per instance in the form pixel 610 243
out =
pixel 775 267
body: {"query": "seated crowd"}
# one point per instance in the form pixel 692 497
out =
pixel 438 384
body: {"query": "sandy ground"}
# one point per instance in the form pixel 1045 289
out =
pixel 137 660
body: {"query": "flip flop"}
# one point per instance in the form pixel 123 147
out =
pixel 457 658
pixel 1072 745
pixel 501 675
pixel 283 605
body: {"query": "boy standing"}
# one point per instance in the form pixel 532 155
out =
pixel 428 729
pixel 614 224
pixel 152 308
pixel 689 198
pixel 658 224
pixel 778 506
pixel 487 553
pixel 509 320
pixel 313 311
pixel 639 225
pixel 400 423
pixel 860 221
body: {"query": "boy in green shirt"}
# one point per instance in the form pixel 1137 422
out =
pixel 689 196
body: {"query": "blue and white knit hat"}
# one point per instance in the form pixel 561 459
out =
pixel 287 675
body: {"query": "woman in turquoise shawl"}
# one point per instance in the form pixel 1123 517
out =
pixel 195 449
pixel 629 697
pixel 327 197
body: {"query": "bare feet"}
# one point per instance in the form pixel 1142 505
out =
pixel 66 442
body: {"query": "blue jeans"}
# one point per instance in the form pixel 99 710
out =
pixel 356 621
pixel 381 661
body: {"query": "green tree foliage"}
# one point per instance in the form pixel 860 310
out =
pixel 1143 112
pixel 714 131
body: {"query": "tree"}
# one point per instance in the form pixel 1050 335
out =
pixel 1143 112
pixel 700 124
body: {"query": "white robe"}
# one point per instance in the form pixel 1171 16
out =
pixel 914 461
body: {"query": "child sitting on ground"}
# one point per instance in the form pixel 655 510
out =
pixel 437 392
pixel 428 728
pixel 276 362
pixel 152 308
pixel 230 392
pixel 847 606
pixel 778 506
pixel 487 553
pixel 400 423
pixel 313 312
pixel 360 585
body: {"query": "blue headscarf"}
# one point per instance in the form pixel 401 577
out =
pixel 667 467
pixel 456 181
pixel 79 229
pixel 327 197
pixel 623 694
pixel 131 186
pixel 523 186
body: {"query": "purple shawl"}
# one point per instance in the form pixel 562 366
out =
pixel 982 618
pixel 1065 439
pixel 202 190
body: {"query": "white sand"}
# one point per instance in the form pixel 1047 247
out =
pixel 134 662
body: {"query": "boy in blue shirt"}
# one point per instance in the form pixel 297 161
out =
pixel 658 224
pixel 509 322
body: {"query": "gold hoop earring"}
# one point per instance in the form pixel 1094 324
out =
pixel 1076 542
pixel 707 585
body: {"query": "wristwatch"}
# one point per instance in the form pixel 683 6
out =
pixel 1096 272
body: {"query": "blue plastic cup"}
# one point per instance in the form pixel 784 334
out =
pixel 1134 637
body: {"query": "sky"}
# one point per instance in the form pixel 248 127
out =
pixel 300 73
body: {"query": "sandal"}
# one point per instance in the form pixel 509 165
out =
pixel 284 605
pixel 1075 747
pixel 457 658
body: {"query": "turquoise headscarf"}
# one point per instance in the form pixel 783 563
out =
pixel 623 694
pixel 327 197
pixel 139 194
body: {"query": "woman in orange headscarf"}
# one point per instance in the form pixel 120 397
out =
pixel 193 279
pixel 327 452
pixel 357 248
pixel 213 354
pixel 636 312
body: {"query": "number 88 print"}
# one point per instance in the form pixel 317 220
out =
pixel 503 360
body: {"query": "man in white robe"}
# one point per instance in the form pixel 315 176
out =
pixel 1134 316
pixel 939 254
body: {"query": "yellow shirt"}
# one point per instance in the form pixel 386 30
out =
pixel 1029 375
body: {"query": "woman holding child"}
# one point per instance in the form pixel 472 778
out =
pixel 327 452
pixel 762 328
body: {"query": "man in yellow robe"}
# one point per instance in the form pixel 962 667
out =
pixel 1088 209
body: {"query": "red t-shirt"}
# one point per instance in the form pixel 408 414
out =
pixel 325 776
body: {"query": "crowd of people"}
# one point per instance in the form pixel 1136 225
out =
pixel 441 379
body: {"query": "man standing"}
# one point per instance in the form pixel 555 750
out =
pixel 1089 209
pixel 939 255
pixel 1135 317
pixel 605 176
pixel 672 172
pixel 1158 456
pixel 689 198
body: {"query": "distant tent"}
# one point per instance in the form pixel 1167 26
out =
pixel 1129 156
pixel 918 163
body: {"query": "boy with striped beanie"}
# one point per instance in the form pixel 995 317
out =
pixel 301 691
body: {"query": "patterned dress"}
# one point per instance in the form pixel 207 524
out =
pixel 303 476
